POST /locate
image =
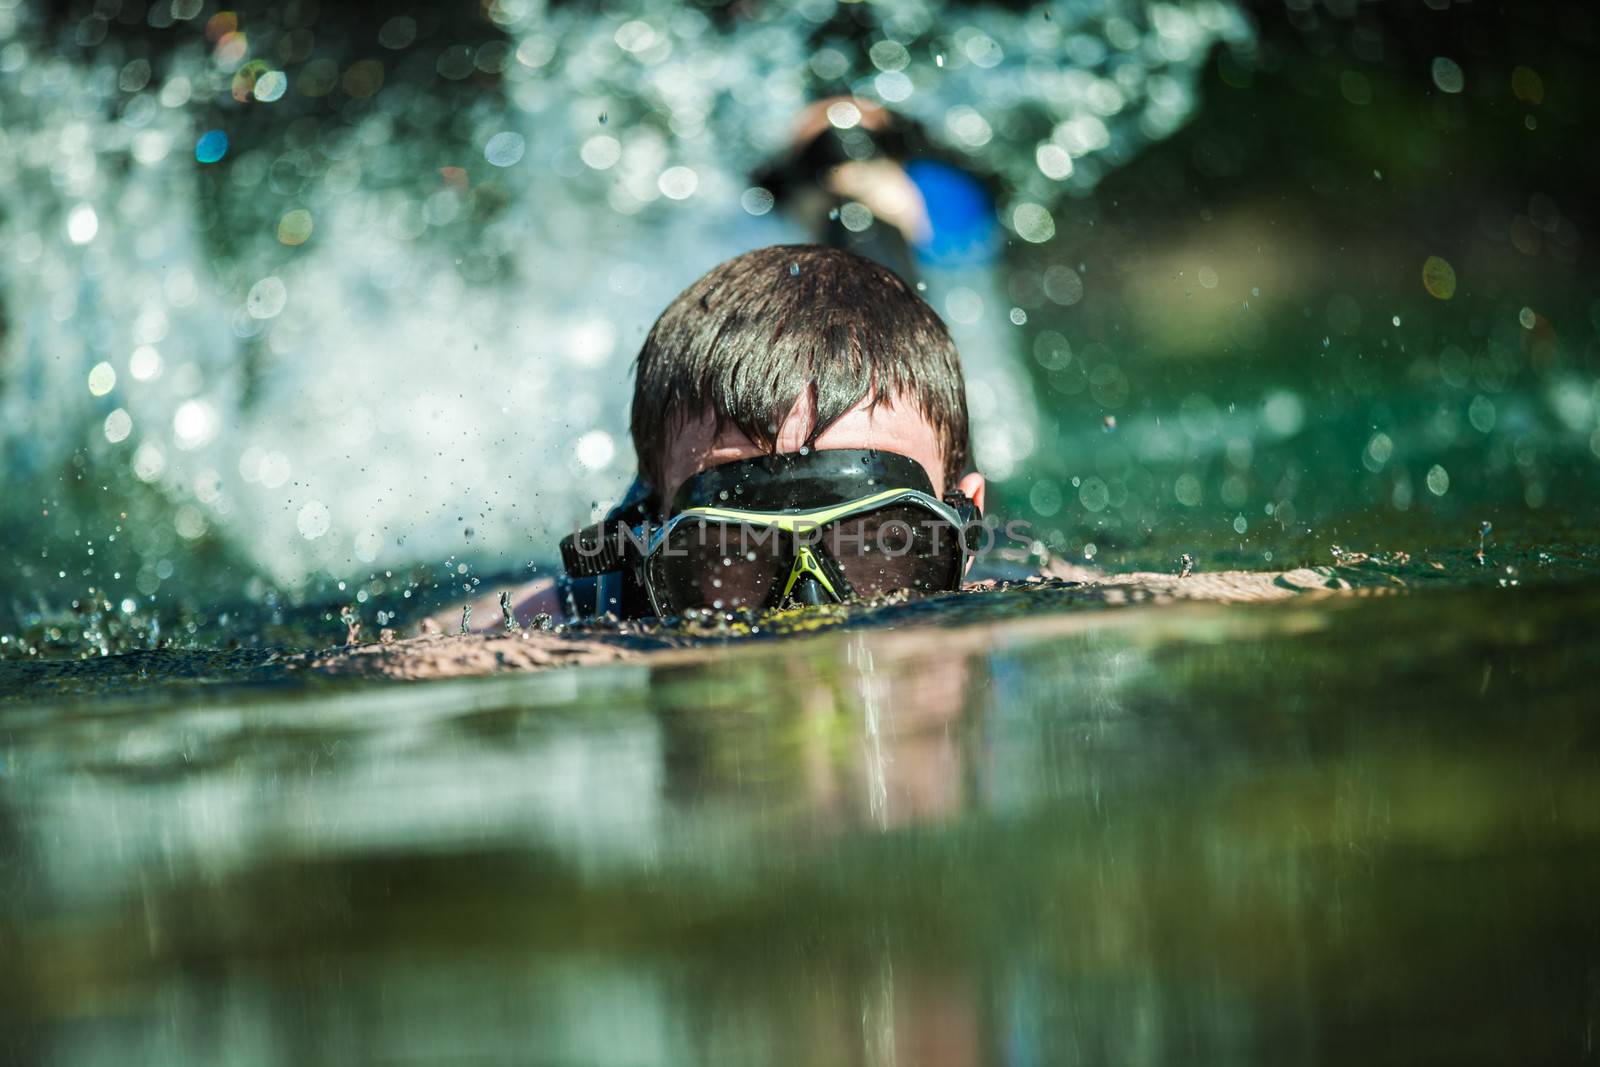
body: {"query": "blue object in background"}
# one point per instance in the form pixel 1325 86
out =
pixel 212 146
pixel 961 215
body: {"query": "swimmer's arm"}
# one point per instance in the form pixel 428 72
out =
pixel 528 601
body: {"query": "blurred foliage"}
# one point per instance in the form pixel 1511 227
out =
pixel 1273 252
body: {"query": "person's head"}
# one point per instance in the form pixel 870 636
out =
pixel 799 346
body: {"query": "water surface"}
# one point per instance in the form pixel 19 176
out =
pixel 1322 829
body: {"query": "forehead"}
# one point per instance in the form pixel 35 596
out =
pixel 696 443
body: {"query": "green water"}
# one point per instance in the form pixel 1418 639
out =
pixel 1315 830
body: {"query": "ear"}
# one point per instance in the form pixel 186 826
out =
pixel 974 485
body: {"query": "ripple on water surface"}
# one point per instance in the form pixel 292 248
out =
pixel 1247 831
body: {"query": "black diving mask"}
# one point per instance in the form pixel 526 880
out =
pixel 786 530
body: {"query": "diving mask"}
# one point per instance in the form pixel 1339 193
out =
pixel 792 529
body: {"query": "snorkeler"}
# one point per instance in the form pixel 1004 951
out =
pixel 859 177
pixel 799 421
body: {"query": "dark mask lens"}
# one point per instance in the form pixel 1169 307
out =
pixel 902 546
pixel 716 565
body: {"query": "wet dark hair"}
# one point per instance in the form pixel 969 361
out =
pixel 748 338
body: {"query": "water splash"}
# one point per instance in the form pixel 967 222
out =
pixel 342 321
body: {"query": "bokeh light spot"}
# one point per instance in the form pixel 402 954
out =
pixel 1283 412
pixel 295 227
pixel 963 305
pixel 271 86
pixel 363 79
pixel 1094 496
pixel 267 298
pixel 135 75
pixel 893 86
pixel 855 217
pixel 1063 285
pixel 194 424
pixel 595 449
pixel 231 50
pixel 398 32
pixel 149 462
pixel 118 425
pixel 756 200
pixel 844 115
pixel 889 56
pixel 635 36
pixel 1033 222
pixel 1439 277
pixel 678 183
pixel 601 151
pixel 1053 161
pixel 314 520
pixel 82 224
pixel 145 363
pixel 211 147
pixel 102 379
pixel 505 149
pixel 1527 86
pixel 1438 480
pixel 1448 76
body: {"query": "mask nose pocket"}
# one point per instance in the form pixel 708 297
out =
pixel 808 584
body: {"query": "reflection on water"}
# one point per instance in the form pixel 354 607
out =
pixel 1320 829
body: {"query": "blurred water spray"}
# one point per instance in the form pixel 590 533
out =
pixel 365 294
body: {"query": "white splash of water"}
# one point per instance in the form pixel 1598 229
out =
pixel 357 353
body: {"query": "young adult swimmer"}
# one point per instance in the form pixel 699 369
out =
pixel 791 380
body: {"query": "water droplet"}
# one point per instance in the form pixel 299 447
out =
pixel 82 224
pixel 1438 480
pixel 505 149
pixel 266 298
pixel 678 183
pixel 211 147
pixel 271 86
pixel 756 200
pixel 118 425
pixel 102 379
pixel 1447 75
pixel 1439 278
